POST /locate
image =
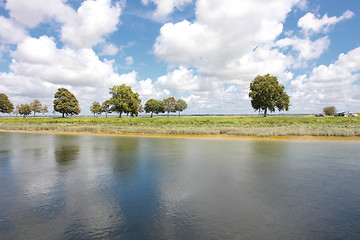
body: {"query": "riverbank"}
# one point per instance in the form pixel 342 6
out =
pixel 212 126
pixel 203 136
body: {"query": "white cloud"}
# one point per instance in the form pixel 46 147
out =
pixel 330 85
pixel 38 62
pixel 147 89
pixel 313 24
pixel 31 13
pixel 180 79
pixel 109 49
pixel 41 58
pixel 166 7
pixel 10 32
pixel 94 20
pixel 223 36
pixel 306 48
pixel 129 61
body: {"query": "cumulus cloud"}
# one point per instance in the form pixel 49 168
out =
pixel 87 26
pixel 94 20
pixel 307 49
pixel 39 68
pixel 31 13
pixel 334 84
pixel 314 24
pixel 166 7
pixel 41 58
pixel 109 49
pixel 10 32
pixel 223 35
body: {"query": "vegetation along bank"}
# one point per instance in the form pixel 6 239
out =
pixel 195 125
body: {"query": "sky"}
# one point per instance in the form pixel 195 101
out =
pixel 203 51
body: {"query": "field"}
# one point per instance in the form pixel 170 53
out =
pixel 196 125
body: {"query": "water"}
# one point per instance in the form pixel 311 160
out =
pixel 108 187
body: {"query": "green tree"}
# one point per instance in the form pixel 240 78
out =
pixel 36 106
pixel 96 108
pixel 106 107
pixel 25 110
pixel 5 105
pixel 267 94
pixel 44 109
pixel 66 103
pixel 169 105
pixel 181 105
pixel 329 111
pixel 124 100
pixel 154 106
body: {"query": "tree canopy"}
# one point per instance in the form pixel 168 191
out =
pixel 106 107
pixel 24 109
pixel 267 93
pixel 154 106
pixel 66 103
pixel 35 106
pixel 5 105
pixel 169 105
pixel 329 111
pixel 96 108
pixel 124 100
pixel 181 105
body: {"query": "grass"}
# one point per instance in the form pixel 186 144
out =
pixel 229 125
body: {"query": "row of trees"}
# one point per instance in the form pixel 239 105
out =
pixel 266 94
pixel 124 100
pixel 24 109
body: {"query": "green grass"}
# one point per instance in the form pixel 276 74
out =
pixel 230 125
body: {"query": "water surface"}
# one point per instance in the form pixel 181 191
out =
pixel 108 187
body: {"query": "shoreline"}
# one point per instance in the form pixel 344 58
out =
pixel 199 136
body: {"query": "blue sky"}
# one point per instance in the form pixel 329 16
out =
pixel 204 51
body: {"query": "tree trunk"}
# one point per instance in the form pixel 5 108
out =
pixel 179 113
pixel 120 114
pixel 151 114
pixel 94 115
pixel 168 114
pixel 63 114
pixel 265 112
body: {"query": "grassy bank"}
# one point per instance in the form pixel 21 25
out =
pixel 234 125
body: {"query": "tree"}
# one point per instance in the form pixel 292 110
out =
pixel 106 107
pixel 181 105
pixel 44 110
pixel 267 94
pixel 96 108
pixel 329 111
pixel 124 100
pixel 5 105
pixel 66 103
pixel 154 106
pixel 25 110
pixel 35 106
pixel 134 104
pixel 169 105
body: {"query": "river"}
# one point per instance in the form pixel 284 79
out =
pixel 110 187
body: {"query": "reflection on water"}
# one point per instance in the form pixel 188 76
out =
pixel 106 187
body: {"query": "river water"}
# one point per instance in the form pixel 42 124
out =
pixel 109 187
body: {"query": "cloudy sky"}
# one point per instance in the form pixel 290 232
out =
pixel 204 51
